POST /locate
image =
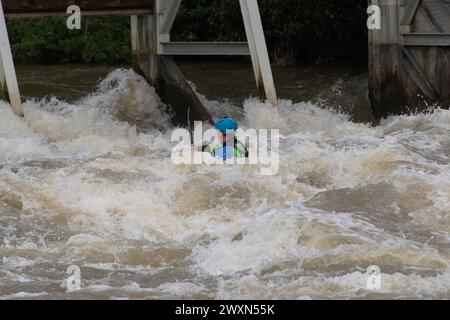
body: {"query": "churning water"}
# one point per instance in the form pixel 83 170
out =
pixel 91 184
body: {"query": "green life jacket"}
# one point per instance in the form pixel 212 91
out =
pixel 240 151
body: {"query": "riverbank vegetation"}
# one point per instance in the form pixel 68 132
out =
pixel 295 30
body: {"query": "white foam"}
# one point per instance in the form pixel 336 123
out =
pixel 118 187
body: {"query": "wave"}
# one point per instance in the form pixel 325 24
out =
pixel 91 183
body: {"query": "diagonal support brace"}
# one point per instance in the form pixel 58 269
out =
pixel 8 78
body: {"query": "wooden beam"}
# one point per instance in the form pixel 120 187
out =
pixel 144 46
pixel 7 71
pixel 425 39
pixel 38 15
pixel 167 12
pixel 385 89
pixel 410 12
pixel 252 48
pixel 46 8
pixel 175 91
pixel 258 49
pixel 438 14
pixel 205 48
pixel 412 67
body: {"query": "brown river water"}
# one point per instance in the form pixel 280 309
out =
pixel 86 180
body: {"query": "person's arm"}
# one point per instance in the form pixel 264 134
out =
pixel 242 148
pixel 204 148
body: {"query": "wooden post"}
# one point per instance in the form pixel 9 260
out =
pixel 8 79
pixel 144 46
pixel 3 87
pixel 258 49
pixel 161 72
pixel 252 48
pixel 134 42
pixel 167 12
pixel 175 91
pixel 385 90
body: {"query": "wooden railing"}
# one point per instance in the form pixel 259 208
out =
pixel 45 8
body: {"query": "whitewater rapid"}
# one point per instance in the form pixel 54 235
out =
pixel 91 184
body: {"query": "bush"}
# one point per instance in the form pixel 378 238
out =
pixel 102 40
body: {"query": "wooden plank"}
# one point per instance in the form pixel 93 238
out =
pixel 385 90
pixel 425 39
pixel 175 91
pixel 392 22
pixel 3 87
pixel 410 12
pixel 7 66
pixel 134 26
pixel 412 67
pixel 38 15
pixel 439 15
pixel 144 46
pixel 205 48
pixel 35 8
pixel 153 41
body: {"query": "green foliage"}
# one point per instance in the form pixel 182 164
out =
pixel 209 20
pixel 293 28
pixel 102 40
pixel 306 27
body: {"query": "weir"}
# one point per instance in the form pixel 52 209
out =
pixel 409 57
pixel 151 24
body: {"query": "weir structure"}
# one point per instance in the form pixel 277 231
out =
pixel 409 57
pixel 151 24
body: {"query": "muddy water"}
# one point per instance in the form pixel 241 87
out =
pixel 86 180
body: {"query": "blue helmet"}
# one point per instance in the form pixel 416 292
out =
pixel 226 123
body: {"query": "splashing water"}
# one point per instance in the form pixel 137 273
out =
pixel 91 184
